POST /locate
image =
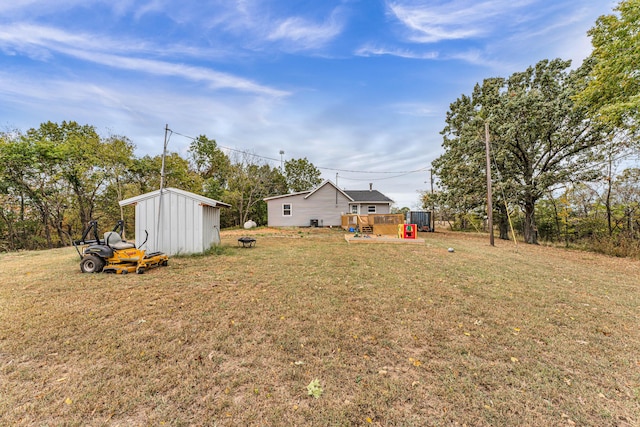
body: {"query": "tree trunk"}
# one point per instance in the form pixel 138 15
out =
pixel 557 218
pixel 60 230
pixel 11 238
pixel 503 222
pixel 22 207
pixel 530 229
pixel 608 198
pixel 47 229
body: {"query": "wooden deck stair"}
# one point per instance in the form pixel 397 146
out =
pixel 365 228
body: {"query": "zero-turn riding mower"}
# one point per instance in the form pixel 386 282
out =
pixel 114 255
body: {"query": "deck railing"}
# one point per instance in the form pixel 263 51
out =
pixel 379 224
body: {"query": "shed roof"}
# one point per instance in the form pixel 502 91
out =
pixel 203 200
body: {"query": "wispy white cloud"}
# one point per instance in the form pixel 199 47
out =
pixel 450 20
pixel 149 7
pixel 27 38
pixel 370 50
pixel 139 110
pixel 215 79
pixel 246 24
pixel 41 42
pixel 503 35
pixel 298 33
pixel 469 56
pixel 35 8
pixel 415 109
pixel 12 7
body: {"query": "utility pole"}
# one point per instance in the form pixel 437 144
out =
pixel 164 154
pixel 162 176
pixel 432 226
pixel 489 195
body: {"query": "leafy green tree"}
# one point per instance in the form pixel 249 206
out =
pixel 30 174
pixel 212 164
pixel 543 138
pixel 248 184
pixel 539 138
pixel 627 198
pixel 462 167
pixel 613 92
pixel 62 172
pixel 301 175
pixel 145 174
pixel 120 155
pixel 80 159
pixel 12 201
pixel 403 210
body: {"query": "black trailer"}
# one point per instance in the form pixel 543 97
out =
pixel 423 219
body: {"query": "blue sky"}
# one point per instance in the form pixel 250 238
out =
pixel 359 87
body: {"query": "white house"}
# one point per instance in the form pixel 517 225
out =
pixel 175 221
pixel 324 206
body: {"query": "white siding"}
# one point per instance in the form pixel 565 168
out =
pixel 176 223
pixel 146 224
pixel 210 227
pixel 274 211
pixel 326 205
pixel 381 208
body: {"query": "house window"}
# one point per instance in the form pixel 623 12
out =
pixel 354 209
pixel 371 209
pixel 286 209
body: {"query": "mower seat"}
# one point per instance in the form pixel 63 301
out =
pixel 113 239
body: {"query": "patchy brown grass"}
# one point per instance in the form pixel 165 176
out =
pixel 397 335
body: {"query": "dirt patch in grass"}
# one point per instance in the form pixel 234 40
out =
pixel 396 335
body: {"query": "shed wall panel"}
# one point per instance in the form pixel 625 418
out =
pixel 146 224
pixel 210 227
pixel 176 224
pixel 181 224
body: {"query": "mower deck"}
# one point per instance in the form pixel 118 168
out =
pixel 136 266
pixel 114 255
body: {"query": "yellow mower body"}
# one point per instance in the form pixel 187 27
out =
pixel 133 261
pixel 114 255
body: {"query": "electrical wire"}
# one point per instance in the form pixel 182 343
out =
pixel 385 178
pixel 397 173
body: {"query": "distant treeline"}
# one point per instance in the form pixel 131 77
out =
pixel 57 177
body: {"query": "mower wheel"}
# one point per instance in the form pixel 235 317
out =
pixel 164 262
pixel 91 264
pixel 140 270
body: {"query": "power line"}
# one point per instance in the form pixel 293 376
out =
pixel 382 179
pixel 402 173
pixel 398 173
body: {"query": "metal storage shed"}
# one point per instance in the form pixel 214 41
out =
pixel 178 222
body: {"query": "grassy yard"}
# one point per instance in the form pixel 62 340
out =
pixel 397 335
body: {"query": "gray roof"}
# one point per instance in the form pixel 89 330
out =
pixel 368 196
pixel 360 196
pixel 203 200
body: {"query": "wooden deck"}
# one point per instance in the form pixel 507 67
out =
pixel 367 239
pixel 383 224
